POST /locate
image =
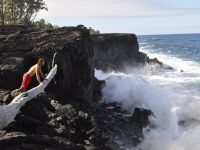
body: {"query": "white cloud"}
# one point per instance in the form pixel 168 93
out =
pixel 84 8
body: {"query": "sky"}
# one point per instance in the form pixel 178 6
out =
pixel 141 17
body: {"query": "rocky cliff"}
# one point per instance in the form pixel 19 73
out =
pixel 75 77
pixel 68 116
pixel 49 121
pixel 118 51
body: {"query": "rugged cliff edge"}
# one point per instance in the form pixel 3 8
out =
pixel 68 116
pixel 50 121
pixel 75 77
pixel 119 51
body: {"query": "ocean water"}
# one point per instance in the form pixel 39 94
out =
pixel 173 95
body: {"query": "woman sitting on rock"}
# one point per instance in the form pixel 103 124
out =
pixel 34 70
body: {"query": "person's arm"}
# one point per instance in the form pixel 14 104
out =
pixel 42 75
pixel 38 74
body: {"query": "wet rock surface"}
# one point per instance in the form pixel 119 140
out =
pixel 141 115
pixel 118 125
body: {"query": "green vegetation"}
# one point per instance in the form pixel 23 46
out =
pixel 93 31
pixel 42 24
pixel 20 11
pixel 25 12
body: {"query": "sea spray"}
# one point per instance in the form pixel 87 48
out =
pixel 131 90
pixel 184 84
pixel 173 95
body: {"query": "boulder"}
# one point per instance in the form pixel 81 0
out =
pixel 141 116
pixel 4 96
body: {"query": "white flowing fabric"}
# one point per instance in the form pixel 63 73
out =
pixel 8 112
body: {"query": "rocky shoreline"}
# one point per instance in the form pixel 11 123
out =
pixel 69 115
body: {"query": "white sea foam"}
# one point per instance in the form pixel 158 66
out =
pixel 172 95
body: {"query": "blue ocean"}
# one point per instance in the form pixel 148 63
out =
pixel 184 46
pixel 182 52
pixel 172 94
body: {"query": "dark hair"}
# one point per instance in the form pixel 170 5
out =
pixel 40 60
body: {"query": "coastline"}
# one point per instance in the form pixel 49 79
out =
pixel 76 94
